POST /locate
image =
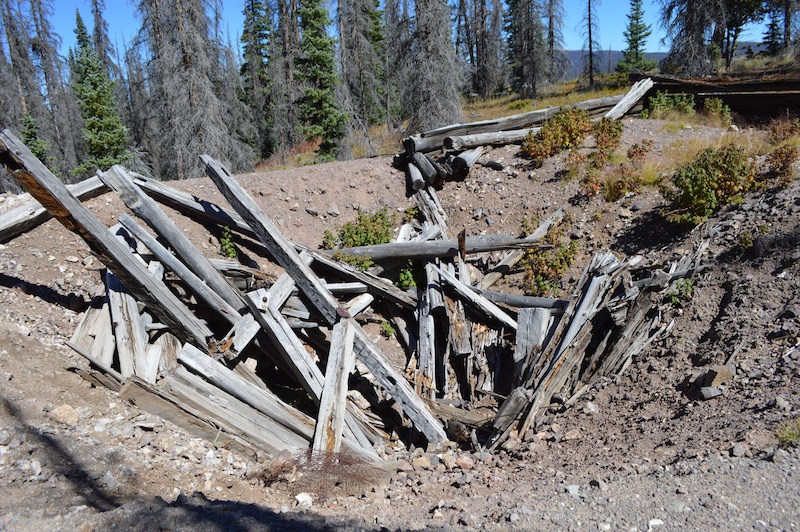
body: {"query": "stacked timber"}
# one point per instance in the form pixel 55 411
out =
pixel 464 144
pixel 272 364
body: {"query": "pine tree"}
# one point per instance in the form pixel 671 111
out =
pixel 361 39
pixel 773 36
pixel 34 141
pixel 636 35
pixel 526 47
pixel 316 69
pixel 257 85
pixel 557 61
pixel 103 132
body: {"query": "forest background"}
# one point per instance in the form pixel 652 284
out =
pixel 187 77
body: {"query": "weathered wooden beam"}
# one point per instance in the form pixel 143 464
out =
pixel 465 160
pixel 280 248
pixel 332 404
pixel 425 167
pixel 32 214
pixel 118 179
pixel 555 306
pixel 477 301
pixel 397 386
pixel 128 328
pixel 497 138
pixel 53 195
pixel 433 140
pixel 94 333
pixel 194 283
pixel 633 96
pixel 415 177
pixel 439 248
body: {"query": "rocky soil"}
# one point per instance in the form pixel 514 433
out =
pixel 647 451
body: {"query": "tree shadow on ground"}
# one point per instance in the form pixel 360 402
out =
pixel 651 232
pixel 70 301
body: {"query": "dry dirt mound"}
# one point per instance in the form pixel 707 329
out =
pixel 645 451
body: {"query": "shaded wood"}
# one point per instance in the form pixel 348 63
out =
pixel 341 360
pixel 478 302
pixel 280 248
pixel 106 376
pixel 54 196
pixel 26 217
pixel 465 160
pixel 556 306
pixel 129 332
pixel 533 325
pixel 415 178
pixel 426 168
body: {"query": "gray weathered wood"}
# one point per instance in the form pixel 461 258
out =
pixel 533 325
pixel 332 404
pixel 129 332
pixel 630 99
pixel 26 217
pixel 397 386
pixel 94 333
pixel 194 283
pixel 508 262
pixel 426 168
pixel 53 195
pixel 280 248
pixel 433 140
pixel 464 161
pixel 415 177
pixel 428 203
pixel 439 248
pixel 115 379
pixel 477 301
pixel 118 179
pixel 497 138
pixel 556 306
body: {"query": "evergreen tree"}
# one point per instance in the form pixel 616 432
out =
pixel 738 13
pixel 361 38
pixel 316 69
pixel 636 35
pixel 527 47
pixel 557 61
pixel 33 140
pixel 773 36
pixel 103 132
pixel 257 85
pixel 395 60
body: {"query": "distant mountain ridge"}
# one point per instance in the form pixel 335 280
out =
pixel 608 60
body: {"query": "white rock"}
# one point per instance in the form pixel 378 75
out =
pixel 303 500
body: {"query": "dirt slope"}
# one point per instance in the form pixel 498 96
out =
pixel 645 452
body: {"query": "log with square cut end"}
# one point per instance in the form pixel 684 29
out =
pixel 333 402
pixel 281 249
pixel 48 190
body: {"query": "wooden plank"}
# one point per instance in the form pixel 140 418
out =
pixel 280 248
pixel 425 376
pixel 194 283
pixel 94 333
pixel 428 203
pixel 118 179
pixel 332 404
pixel 497 138
pixel 633 96
pixel 533 324
pixel 508 262
pixel 397 387
pixel 425 168
pixel 439 248
pixel 32 214
pixel 162 404
pixel 479 302
pixel 359 304
pixel 107 377
pixel 556 306
pixel 128 328
pixel 54 196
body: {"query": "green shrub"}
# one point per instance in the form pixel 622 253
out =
pixel 713 179
pixel 405 278
pixel 621 182
pixel 639 151
pixel 227 247
pixel 663 105
pixel 544 267
pixel 789 432
pixel 714 108
pixel 566 129
pixel 366 230
pixel 387 331
pixel 607 135
pixel 681 292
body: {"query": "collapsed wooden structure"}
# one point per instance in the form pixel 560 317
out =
pixel 255 364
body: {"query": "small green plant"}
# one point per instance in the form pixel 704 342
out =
pixel 519 105
pixel 566 129
pixel 227 247
pixel 622 181
pixel 714 108
pixel 405 279
pixel 746 240
pixel 638 152
pixel 666 106
pixel 544 267
pixel 410 214
pixel 387 331
pixel 788 432
pixel 715 177
pixel 366 230
pixel 682 291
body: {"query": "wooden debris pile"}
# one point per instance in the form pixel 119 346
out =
pixel 226 353
pixel 464 144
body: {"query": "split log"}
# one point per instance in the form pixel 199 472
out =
pixel 397 387
pixel 94 333
pixel 428 203
pixel 531 335
pixel 463 161
pixel 633 96
pixel 555 306
pixel 280 248
pixel 32 214
pixel 498 138
pixel 439 248
pixel 118 179
pixel 51 193
pixel 194 283
pixel 479 302
pixel 341 361
pixel 426 168
pixel 433 140
pixel 505 265
pixel 415 177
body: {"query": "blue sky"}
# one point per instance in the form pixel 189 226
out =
pixel 123 23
